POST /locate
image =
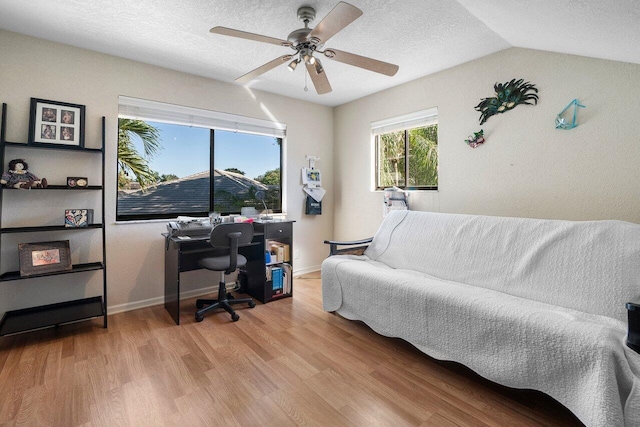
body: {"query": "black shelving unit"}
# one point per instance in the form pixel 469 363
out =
pixel 31 318
pixel 273 231
pixel 58 187
pixel 44 228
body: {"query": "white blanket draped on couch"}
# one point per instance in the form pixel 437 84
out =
pixel 534 304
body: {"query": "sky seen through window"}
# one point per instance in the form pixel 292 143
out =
pixel 185 151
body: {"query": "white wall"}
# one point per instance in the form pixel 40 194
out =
pixel 36 68
pixel 526 168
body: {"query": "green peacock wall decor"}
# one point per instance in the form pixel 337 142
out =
pixel 508 96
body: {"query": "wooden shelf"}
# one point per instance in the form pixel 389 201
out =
pixel 52 146
pixel 56 187
pixel 76 268
pixel 28 319
pixel 9 230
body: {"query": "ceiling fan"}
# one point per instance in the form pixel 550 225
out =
pixel 309 41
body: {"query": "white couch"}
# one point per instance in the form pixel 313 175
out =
pixel 527 303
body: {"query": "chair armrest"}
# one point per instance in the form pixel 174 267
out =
pixel 633 335
pixel 354 245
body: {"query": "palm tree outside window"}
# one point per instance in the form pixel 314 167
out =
pixel 408 158
pixel 168 170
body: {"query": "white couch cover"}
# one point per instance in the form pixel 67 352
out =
pixel 527 303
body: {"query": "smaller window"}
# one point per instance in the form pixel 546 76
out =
pixel 407 151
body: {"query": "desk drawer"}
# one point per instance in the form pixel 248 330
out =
pixel 277 230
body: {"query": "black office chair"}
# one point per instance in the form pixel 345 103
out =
pixel 227 237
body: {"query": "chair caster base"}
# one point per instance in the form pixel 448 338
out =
pixel 206 305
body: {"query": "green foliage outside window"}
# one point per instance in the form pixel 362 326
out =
pixel 271 177
pixel 408 158
pixel 142 145
pixel 132 164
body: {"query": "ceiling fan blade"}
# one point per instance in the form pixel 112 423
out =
pixel 263 69
pixel 362 62
pixel 319 79
pixel 340 16
pixel 248 36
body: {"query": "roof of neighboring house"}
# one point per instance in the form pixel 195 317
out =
pixel 188 194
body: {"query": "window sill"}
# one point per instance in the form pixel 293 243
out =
pixel 276 216
pixel 143 221
pixel 414 190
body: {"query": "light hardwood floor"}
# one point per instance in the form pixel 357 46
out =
pixel 284 363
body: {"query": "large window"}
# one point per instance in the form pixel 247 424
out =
pixel 245 164
pixel 171 169
pixel 407 151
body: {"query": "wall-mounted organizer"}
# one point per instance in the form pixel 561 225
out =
pixel 31 318
pixel 312 186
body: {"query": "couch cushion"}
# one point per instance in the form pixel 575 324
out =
pixel 591 266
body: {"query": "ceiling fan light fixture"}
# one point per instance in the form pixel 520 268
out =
pixel 305 41
pixel 318 67
pixel 293 64
pixel 307 56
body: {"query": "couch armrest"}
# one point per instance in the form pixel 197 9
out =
pixel 633 336
pixel 355 246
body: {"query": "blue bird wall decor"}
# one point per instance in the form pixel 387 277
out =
pixel 508 95
pixel 561 122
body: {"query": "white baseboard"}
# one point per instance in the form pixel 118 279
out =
pixel 159 300
pixel 302 271
pixel 120 308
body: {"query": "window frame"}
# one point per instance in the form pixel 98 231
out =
pixel 152 111
pixel 212 162
pixel 403 123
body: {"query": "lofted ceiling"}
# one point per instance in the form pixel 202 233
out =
pixel 421 36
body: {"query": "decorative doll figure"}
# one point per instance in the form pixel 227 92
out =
pixel 20 177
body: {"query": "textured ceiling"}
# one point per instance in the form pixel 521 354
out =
pixel 421 36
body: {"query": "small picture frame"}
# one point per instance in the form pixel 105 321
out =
pixel 74 218
pixel 44 258
pixel 311 177
pixel 56 123
pixel 77 182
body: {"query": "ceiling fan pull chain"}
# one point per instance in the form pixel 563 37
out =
pixel 306 89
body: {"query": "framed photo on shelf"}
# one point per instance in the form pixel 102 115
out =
pixel 56 123
pixel 44 257
pixel 74 218
pixel 77 182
